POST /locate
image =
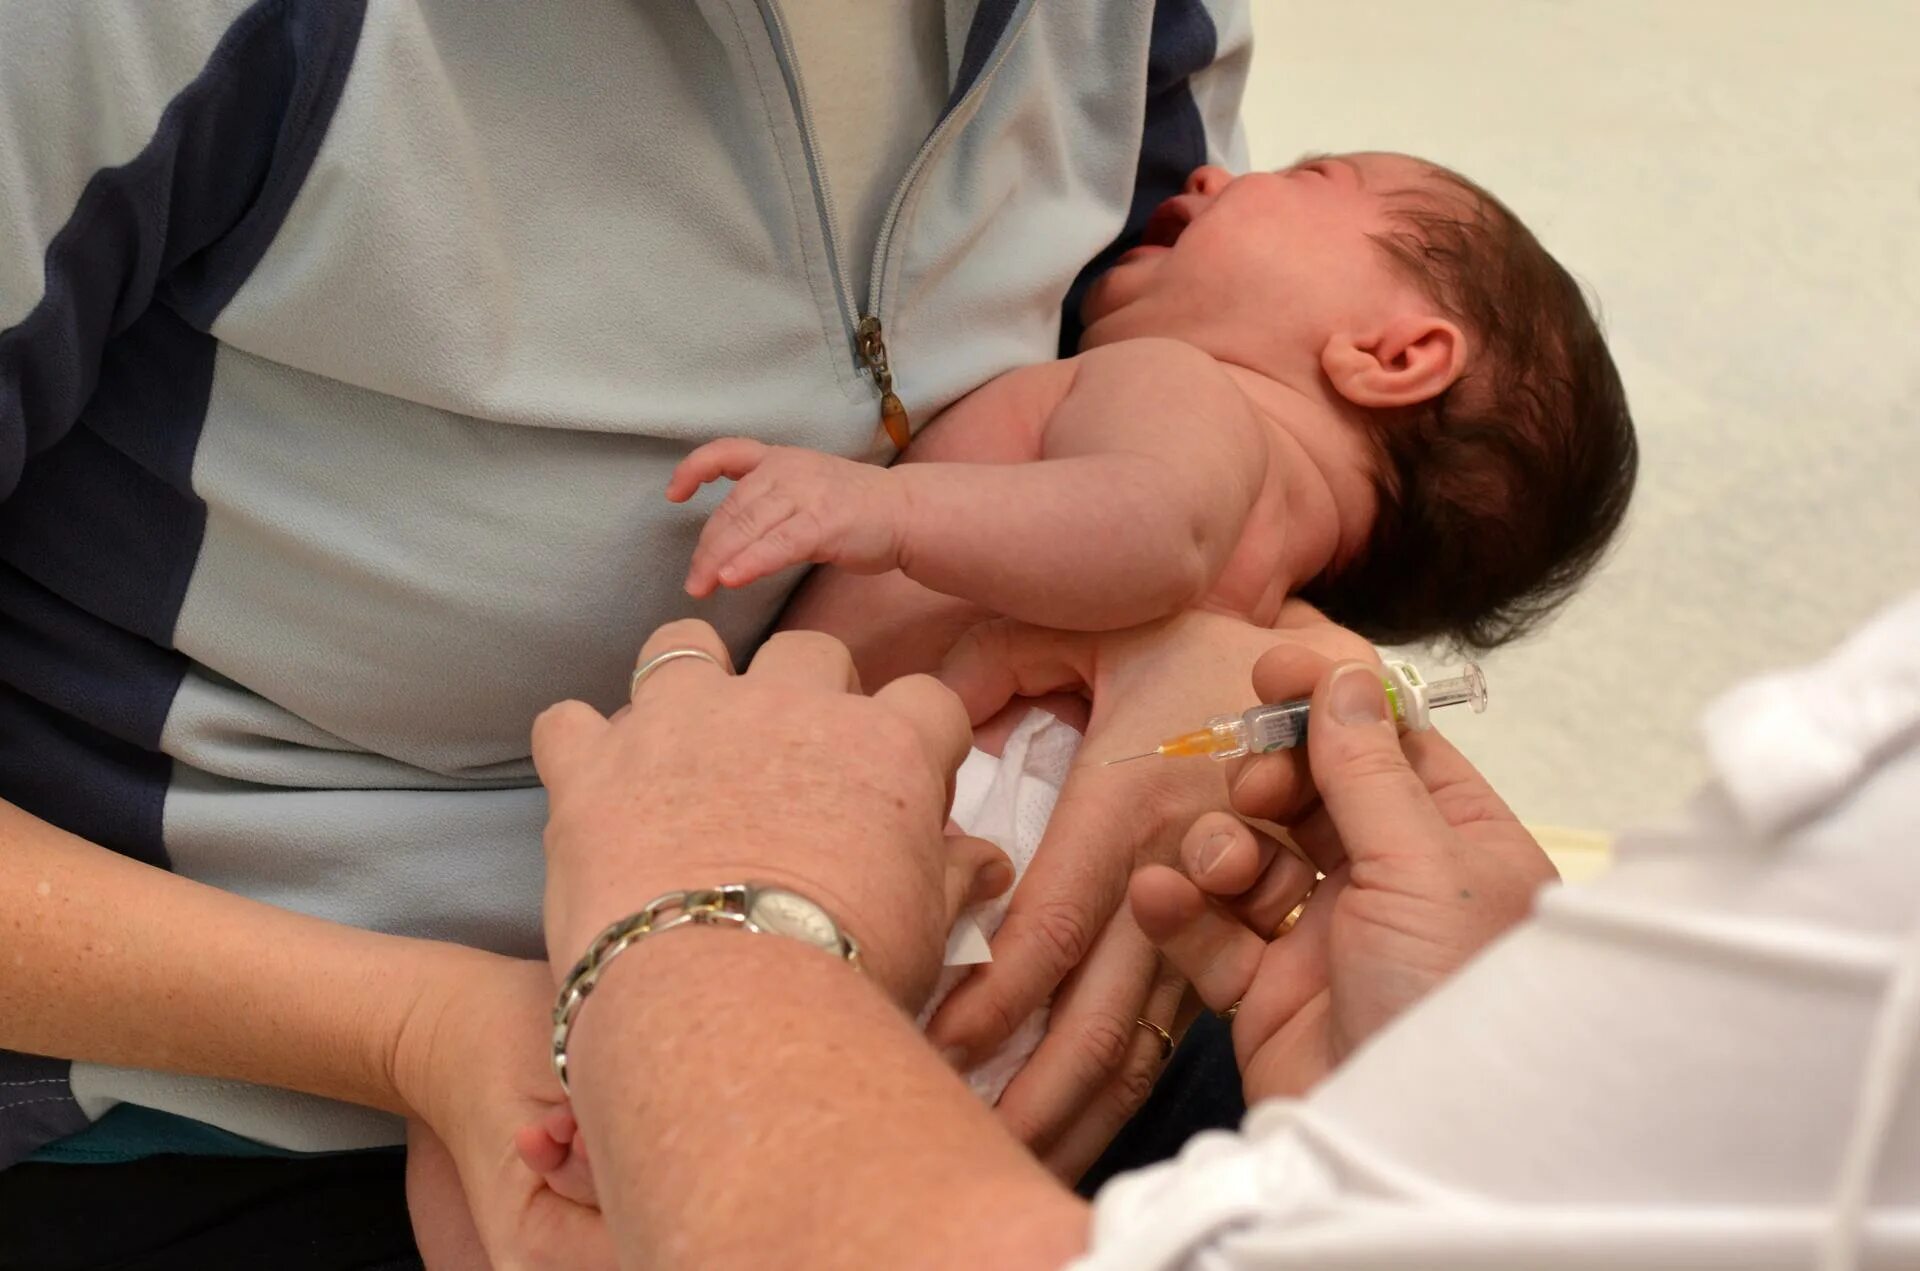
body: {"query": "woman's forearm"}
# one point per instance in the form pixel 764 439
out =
pixel 108 960
pixel 738 1089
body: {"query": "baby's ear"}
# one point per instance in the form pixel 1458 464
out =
pixel 1406 360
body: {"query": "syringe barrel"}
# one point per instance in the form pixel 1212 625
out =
pixel 1468 688
pixel 1276 727
pixel 1282 725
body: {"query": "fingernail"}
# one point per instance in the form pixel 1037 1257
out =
pixel 1211 851
pixel 956 1057
pixel 1356 697
pixel 1239 779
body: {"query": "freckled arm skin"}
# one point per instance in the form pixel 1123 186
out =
pixel 103 958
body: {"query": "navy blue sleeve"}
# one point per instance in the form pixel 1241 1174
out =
pixel 1185 43
pixel 178 224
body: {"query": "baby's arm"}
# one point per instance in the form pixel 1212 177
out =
pixel 1149 463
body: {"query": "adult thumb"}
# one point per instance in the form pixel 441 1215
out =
pixel 977 871
pixel 1376 801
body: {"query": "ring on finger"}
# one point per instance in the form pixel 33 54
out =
pixel 658 660
pixel 1166 1038
pixel 1293 914
pixel 1231 1011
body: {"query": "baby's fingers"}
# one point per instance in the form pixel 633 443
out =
pixel 1214 950
pixel 747 516
pixel 538 1149
pixel 553 1149
pixel 731 457
pixel 793 541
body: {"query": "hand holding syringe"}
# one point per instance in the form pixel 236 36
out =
pixel 1284 724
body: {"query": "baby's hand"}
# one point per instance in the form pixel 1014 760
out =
pixel 788 506
pixel 553 1149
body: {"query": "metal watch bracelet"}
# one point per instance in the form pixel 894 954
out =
pixel 753 907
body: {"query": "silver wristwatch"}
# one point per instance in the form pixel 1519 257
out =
pixel 756 907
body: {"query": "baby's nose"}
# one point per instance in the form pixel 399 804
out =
pixel 1208 180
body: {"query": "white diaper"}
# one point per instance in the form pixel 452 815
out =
pixel 1006 801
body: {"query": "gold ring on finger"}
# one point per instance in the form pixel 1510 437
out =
pixel 1166 1038
pixel 1293 914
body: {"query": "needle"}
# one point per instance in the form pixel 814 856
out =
pixel 1281 725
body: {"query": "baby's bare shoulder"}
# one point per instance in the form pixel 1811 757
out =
pixel 1166 379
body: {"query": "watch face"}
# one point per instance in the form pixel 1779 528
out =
pixel 786 914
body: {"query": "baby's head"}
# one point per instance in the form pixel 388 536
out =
pixel 1468 400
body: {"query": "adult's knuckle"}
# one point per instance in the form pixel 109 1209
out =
pixel 1373 766
pixel 995 1020
pixel 889 734
pixel 681 633
pixel 1134 1083
pixel 1105 1041
pixel 927 693
pixel 1064 932
pixel 813 644
pixel 1463 802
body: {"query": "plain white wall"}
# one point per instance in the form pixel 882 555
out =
pixel 1740 184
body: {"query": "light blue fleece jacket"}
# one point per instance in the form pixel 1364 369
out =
pixel 345 348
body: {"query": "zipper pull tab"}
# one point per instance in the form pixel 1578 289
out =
pixel 893 415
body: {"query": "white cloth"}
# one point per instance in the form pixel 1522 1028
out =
pixel 1006 801
pixel 1703 1059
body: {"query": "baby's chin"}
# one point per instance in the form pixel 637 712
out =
pixel 1116 289
pixel 1103 319
pixel 1129 321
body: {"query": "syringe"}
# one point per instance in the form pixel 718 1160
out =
pixel 1281 725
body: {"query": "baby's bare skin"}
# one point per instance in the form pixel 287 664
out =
pixel 1093 493
pixel 1200 452
pixel 1206 449
pixel 1173 463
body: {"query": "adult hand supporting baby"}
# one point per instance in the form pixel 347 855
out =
pixel 1067 931
pixel 473 1066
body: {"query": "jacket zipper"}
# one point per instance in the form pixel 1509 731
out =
pixel 864 327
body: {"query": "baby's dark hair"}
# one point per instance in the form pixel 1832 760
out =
pixel 1499 496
